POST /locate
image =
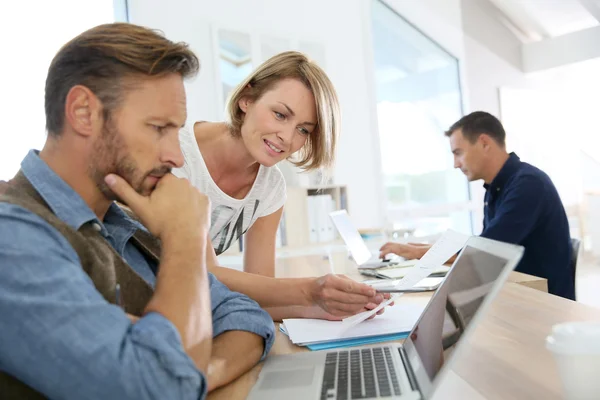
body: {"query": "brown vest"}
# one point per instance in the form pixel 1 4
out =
pixel 99 260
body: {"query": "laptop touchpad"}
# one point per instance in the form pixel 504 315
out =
pixel 288 379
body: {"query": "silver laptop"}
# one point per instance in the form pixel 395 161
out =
pixel 411 370
pixel 356 245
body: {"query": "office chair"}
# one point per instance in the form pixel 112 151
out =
pixel 575 245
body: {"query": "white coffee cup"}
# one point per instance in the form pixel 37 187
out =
pixel 576 348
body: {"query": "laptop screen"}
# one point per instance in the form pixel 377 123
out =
pixel 481 268
pixel 354 242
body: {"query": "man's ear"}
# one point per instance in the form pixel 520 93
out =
pixel 83 110
pixel 485 140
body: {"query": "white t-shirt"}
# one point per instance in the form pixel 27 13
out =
pixel 230 218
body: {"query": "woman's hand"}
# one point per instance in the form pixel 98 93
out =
pixel 317 312
pixel 337 297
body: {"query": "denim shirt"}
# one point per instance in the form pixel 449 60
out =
pixel 523 207
pixel 59 336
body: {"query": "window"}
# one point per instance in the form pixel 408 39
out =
pixel 418 98
pixel 235 60
pixel 28 46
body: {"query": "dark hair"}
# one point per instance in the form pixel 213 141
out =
pixel 102 59
pixel 477 123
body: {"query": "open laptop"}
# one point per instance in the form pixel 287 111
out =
pixel 371 265
pixel 413 369
pixel 356 245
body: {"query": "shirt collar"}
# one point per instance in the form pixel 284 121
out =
pixel 65 202
pixel 116 216
pixel 509 168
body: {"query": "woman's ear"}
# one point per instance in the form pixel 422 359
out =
pixel 244 103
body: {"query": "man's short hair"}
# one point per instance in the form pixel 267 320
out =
pixel 478 123
pixel 107 59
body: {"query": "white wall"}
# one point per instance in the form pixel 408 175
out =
pixel 539 119
pixel 338 25
pixel 561 50
pixel 22 81
pixel 492 56
pixel 441 20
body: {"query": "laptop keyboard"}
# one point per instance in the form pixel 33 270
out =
pixel 359 374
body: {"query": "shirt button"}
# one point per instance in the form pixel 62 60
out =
pixel 97 227
pixel 497 189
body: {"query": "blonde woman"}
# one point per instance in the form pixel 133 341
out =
pixel 286 107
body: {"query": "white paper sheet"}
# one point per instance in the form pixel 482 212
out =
pixel 445 247
pixel 400 273
pixel 398 318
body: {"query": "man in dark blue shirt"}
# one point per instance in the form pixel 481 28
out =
pixel 521 205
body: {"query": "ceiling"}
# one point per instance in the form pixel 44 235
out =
pixel 536 20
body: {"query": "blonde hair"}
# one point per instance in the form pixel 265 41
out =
pixel 319 150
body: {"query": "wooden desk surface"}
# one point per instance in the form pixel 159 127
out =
pixel 505 358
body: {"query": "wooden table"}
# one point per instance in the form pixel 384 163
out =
pixel 505 358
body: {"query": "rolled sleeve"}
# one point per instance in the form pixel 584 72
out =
pixel 154 333
pixel 60 337
pixel 234 311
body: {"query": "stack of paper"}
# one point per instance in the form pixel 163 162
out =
pixel 352 342
pixel 318 334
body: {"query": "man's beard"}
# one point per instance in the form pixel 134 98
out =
pixel 110 155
